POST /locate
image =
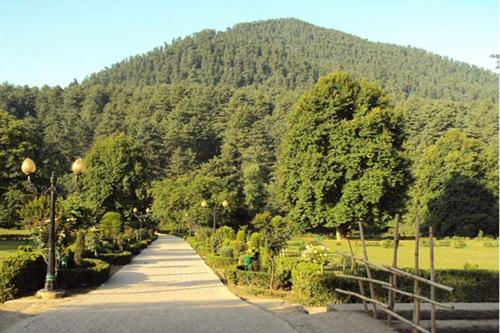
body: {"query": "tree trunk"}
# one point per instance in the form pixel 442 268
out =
pixel 271 286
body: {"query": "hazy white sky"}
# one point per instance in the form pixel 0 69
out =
pixel 53 42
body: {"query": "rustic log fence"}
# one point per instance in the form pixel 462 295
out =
pixel 394 275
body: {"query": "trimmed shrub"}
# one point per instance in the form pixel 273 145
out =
pixel 265 258
pixel 283 271
pixel 238 247
pixel 92 272
pixel 226 252
pixel 241 235
pixel 236 275
pixel 22 273
pixel 218 261
pixel 491 243
pixel 310 286
pixel 117 258
pixel 79 247
pixel 256 240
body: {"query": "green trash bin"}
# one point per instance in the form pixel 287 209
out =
pixel 64 261
pixel 248 262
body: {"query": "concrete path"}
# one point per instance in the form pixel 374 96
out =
pixel 168 289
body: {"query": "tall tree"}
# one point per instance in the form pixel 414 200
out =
pixel 342 159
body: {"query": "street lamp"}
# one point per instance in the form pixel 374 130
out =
pixel 141 217
pixel 28 168
pixel 224 204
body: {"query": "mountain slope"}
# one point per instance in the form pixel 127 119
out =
pixel 293 54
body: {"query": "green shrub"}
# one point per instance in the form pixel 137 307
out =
pixel 236 275
pixel 22 273
pixel 241 235
pixel 226 251
pixel 265 258
pixel 283 271
pixel 458 243
pixel 387 243
pixel 92 272
pixel 79 247
pixel 310 287
pixel 218 261
pixel 238 247
pixel 372 243
pixel 256 241
pixel 491 243
pixel 221 237
pixel 116 258
pixel 443 243
pixel 202 234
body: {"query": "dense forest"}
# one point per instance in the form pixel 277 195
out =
pixel 209 116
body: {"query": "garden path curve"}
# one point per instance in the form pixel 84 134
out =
pixel 168 289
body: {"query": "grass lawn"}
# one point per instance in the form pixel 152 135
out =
pixel 445 257
pixel 9 247
pixel 4 231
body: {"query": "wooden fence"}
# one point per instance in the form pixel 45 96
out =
pixel 392 285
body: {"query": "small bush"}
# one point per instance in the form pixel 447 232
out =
pixel 387 243
pixel 92 272
pixel 256 241
pixel 372 243
pixel 241 235
pixel 79 247
pixel 283 271
pixel 310 285
pixel 491 243
pixel 226 252
pixel 458 244
pixel 202 234
pixel 236 275
pixel 117 258
pixel 218 261
pixel 22 273
pixel 443 243
pixel 238 247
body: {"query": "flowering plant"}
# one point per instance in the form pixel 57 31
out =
pixel 317 254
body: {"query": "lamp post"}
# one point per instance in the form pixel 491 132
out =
pixel 224 204
pixel 141 217
pixel 28 168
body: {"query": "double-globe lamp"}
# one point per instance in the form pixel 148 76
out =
pixel 28 168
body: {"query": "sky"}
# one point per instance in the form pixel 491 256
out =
pixel 55 42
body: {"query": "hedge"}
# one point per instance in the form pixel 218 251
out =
pixel 236 275
pixel 312 288
pixel 120 258
pixel 15 237
pixel 93 272
pixel 21 274
pixel 218 261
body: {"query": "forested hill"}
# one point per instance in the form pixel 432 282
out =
pixel 293 54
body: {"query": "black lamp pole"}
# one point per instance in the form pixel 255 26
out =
pixel 29 167
pixel 51 260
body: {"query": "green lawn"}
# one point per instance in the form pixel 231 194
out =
pixel 8 247
pixel 4 231
pixel 446 257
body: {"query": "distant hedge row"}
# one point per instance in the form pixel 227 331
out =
pixel 313 288
pixel 24 273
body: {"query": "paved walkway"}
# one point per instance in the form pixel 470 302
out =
pixel 168 289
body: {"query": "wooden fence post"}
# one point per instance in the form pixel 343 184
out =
pixel 368 270
pixel 393 278
pixel 433 277
pixel 416 287
pixel 360 283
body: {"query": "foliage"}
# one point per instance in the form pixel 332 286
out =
pixel 226 251
pixel 21 273
pixel 317 254
pixel 342 159
pixel 115 179
pixel 79 247
pixel 256 241
pixel 92 272
pixel 310 285
pixel 236 275
pixel 219 261
pixel 222 236
pixel 116 258
pixel 456 188
pixel 262 220
pixel 111 226
pixel 35 212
